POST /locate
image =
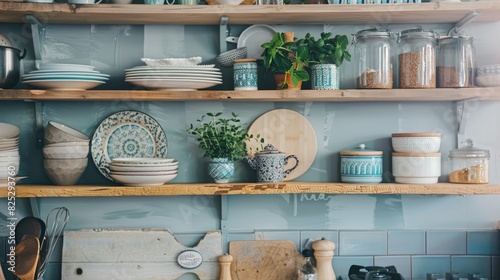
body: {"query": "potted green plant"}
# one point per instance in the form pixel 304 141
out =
pixel 326 55
pixel 224 142
pixel 287 59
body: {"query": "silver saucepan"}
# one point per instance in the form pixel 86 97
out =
pixel 10 62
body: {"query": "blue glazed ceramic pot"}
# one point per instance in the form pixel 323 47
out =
pixel 361 166
pixel 221 169
pixel 325 76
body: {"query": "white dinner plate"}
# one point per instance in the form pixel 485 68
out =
pixel 63 84
pixel 64 72
pixel 97 79
pixel 67 75
pixel 66 67
pixel 175 74
pixel 142 161
pixel 118 168
pixel 160 78
pixel 171 61
pixel 127 134
pixel 146 181
pixel 253 37
pixel 143 173
pixel 162 84
pixel 8 131
pixel 205 67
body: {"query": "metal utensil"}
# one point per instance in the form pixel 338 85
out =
pixel 56 222
pixel 10 63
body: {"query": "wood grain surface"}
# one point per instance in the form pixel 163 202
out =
pixel 290 133
pixel 263 260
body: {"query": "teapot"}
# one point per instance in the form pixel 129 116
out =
pixel 270 164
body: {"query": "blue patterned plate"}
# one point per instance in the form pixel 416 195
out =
pixel 127 134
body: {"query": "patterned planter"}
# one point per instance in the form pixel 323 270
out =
pixel 221 169
pixel 325 76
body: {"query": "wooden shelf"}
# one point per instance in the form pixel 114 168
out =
pixel 443 12
pixel 351 95
pixel 251 188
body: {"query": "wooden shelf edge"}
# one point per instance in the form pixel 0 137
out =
pixel 26 191
pixel 343 95
pixel 54 13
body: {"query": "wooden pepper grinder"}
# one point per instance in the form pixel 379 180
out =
pixel 323 252
pixel 225 267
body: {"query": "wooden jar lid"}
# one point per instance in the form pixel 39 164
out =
pixel 243 60
pixel 419 134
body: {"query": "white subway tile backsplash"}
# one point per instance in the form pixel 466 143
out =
pixel 440 242
pixel 406 242
pixel 363 243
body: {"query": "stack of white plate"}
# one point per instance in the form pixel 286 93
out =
pixel 58 76
pixel 143 171
pixel 174 77
pixel 9 152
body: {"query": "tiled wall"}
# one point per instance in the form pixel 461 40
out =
pixel 413 252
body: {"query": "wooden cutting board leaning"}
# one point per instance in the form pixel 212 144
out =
pixel 290 133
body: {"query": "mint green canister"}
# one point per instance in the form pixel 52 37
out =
pixel 361 165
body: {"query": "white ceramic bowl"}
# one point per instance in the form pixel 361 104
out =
pixel 56 133
pixel 65 172
pixel 75 151
pixel 227 59
pixel 416 142
pixel 416 168
pixel 144 180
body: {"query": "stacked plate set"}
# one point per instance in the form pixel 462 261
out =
pixel 143 171
pixel 59 76
pixel 174 74
pixel 9 153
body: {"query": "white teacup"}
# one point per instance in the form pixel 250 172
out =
pixel 84 1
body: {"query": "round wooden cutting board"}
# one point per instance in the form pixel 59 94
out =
pixel 290 133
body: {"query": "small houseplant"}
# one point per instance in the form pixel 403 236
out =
pixel 287 59
pixel 326 55
pixel 224 141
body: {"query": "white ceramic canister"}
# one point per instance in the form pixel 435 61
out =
pixel 361 165
pixel 245 74
pixel 416 168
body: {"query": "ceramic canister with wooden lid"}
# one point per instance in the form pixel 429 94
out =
pixel 361 165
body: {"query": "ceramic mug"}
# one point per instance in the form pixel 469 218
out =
pixel 84 1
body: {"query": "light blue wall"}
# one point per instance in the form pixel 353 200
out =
pixel 338 126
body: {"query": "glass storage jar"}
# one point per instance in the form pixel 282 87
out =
pixel 373 58
pixel 456 62
pixel 417 58
pixel 469 165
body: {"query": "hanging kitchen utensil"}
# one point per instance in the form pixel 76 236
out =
pixel 56 222
pixel 27 253
pixel 29 226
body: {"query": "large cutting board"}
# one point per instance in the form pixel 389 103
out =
pixel 263 260
pixel 290 133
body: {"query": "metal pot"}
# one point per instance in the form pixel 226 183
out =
pixel 10 62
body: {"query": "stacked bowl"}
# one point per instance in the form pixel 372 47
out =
pixel 416 158
pixel 65 152
pixel 488 76
pixel 143 171
pixel 9 151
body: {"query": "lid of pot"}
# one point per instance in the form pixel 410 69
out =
pixel 469 151
pixel 418 32
pixel 417 134
pixel 4 42
pixel 374 32
pixel 361 151
pixel 269 149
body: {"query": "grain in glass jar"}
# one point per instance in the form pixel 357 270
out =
pixel 373 58
pixel 417 58
pixel 456 65
pixel 469 165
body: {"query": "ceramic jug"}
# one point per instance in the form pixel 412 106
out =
pixel 270 164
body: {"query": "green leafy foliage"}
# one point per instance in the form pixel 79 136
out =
pixel 222 137
pixel 289 58
pixel 327 50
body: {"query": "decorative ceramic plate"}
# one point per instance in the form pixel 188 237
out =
pixel 66 67
pixel 79 75
pixel 127 134
pixel 64 84
pixel 253 37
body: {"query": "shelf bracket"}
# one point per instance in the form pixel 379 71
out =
pixel 35 210
pixel 37 33
pixel 463 113
pixel 223 222
pixel 458 26
pixel 223 33
pixel 39 124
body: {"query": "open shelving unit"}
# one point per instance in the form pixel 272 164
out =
pixel 444 12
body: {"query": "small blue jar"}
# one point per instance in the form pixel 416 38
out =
pixel 361 165
pixel 245 74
